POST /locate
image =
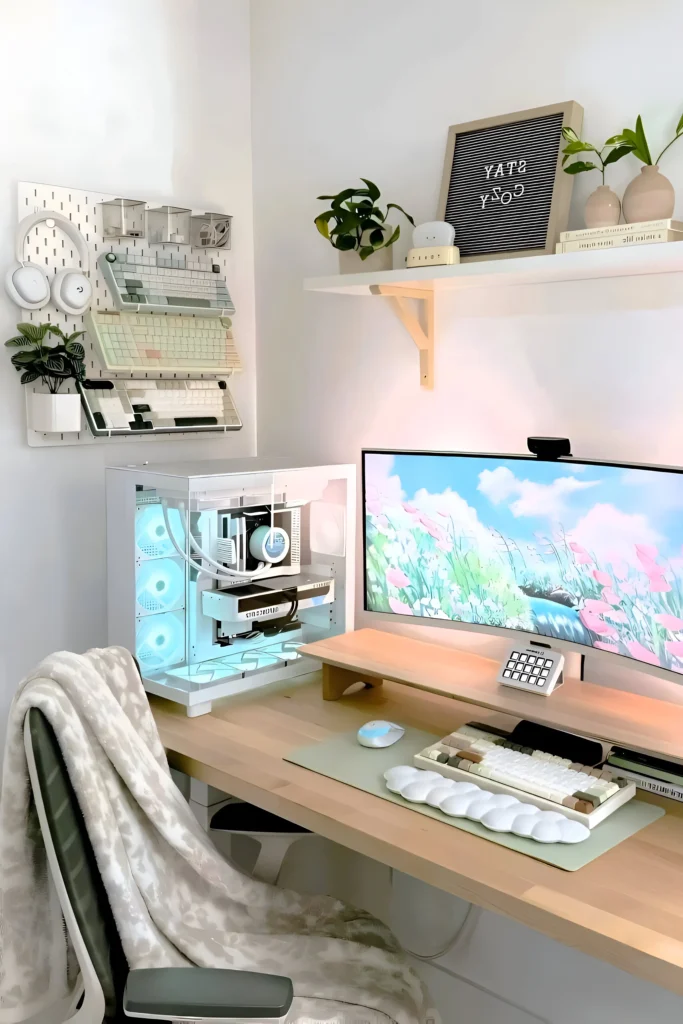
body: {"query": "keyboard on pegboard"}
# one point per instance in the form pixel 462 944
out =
pixel 121 407
pixel 138 343
pixel 165 283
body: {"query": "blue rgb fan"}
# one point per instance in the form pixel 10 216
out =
pixel 160 585
pixel 151 535
pixel 160 641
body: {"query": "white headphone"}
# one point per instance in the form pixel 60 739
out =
pixel 30 286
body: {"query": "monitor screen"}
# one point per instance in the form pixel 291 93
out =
pixel 580 551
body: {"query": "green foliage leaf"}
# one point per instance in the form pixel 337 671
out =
pixel 617 154
pixel 615 140
pixel 321 222
pixel 17 342
pixel 355 214
pixel 395 235
pixel 373 191
pixel 579 147
pixel 569 134
pixel 579 166
pixel 679 126
pixel 350 223
pixel 642 141
pixel 34 332
pixel 344 242
pixel 24 358
pixel 365 251
pixel 339 199
pixel 369 225
pixel 75 349
pixel 395 206
pixel 57 365
pixel 28 376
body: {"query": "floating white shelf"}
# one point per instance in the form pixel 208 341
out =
pixel 631 261
pixel 424 283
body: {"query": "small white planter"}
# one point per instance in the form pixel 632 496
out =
pixel 351 263
pixel 54 414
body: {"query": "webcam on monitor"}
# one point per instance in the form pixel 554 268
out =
pixel 549 448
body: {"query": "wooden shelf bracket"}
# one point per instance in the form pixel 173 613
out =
pixel 422 336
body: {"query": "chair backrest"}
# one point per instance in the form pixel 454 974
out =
pixel 76 860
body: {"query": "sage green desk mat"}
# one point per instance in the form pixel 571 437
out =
pixel 342 758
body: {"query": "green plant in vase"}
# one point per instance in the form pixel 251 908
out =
pixel 354 223
pixel 52 364
pixel 650 196
pixel 603 207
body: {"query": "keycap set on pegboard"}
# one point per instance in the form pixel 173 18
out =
pixel 148 286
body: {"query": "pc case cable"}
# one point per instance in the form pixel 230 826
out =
pixel 224 573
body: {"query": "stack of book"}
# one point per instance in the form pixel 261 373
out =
pixel 645 233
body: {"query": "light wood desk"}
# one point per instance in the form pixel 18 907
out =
pixel 626 907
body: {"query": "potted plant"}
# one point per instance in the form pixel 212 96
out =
pixel 50 411
pixel 650 196
pixel 603 207
pixel 355 224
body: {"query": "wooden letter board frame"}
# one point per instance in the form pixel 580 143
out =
pixel 562 188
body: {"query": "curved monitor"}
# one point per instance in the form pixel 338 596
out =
pixel 584 552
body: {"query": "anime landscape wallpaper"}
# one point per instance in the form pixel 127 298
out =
pixel 586 553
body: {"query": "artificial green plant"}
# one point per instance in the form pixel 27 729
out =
pixel 607 154
pixel 53 364
pixel 636 141
pixel 354 221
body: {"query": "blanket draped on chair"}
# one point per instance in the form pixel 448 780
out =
pixel 175 900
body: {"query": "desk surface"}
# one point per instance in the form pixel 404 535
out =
pixel 626 907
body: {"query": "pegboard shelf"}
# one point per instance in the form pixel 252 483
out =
pixel 422 284
pixel 50 248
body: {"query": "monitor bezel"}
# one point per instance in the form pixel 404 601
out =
pixel 606 658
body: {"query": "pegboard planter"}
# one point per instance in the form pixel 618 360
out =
pixel 53 414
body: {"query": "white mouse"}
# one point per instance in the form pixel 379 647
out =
pixel 379 734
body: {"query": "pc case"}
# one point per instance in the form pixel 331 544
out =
pixel 218 571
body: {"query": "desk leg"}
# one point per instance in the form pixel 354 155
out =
pixel 337 680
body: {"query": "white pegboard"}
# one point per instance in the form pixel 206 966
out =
pixel 52 249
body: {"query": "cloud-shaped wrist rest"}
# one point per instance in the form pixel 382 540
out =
pixel 496 811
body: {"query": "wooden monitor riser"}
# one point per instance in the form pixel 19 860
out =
pixel 613 716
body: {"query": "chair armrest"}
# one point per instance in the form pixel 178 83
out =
pixel 202 992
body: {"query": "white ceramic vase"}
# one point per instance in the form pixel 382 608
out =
pixel 602 209
pixel 54 414
pixel 650 196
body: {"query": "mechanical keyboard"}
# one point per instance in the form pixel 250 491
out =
pixel 495 763
pixel 166 284
pixel 139 342
pixel 158 406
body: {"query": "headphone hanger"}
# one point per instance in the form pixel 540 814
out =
pixel 60 221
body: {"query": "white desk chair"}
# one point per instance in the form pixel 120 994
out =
pixel 274 834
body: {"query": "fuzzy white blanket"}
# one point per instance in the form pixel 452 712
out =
pixel 175 900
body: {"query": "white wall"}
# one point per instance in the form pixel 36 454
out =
pixel 145 100
pixel 348 88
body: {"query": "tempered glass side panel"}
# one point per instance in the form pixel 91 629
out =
pixel 217 580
